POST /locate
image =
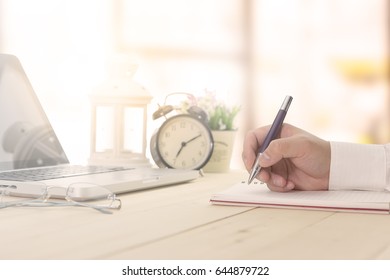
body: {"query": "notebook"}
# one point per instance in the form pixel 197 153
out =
pixel 29 145
pixel 258 195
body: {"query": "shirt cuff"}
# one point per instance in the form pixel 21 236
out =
pixel 359 167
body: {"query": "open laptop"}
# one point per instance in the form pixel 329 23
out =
pixel 31 154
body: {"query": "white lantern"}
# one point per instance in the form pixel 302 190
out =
pixel 119 118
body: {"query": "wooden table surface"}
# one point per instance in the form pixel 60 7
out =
pixel 178 222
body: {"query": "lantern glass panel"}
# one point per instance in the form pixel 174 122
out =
pixel 104 129
pixel 134 130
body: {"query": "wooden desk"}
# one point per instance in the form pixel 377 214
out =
pixel 178 222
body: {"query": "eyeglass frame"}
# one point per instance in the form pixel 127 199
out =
pixel 42 200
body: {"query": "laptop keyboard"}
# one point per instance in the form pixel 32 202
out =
pixel 54 172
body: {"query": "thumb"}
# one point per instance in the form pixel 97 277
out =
pixel 281 148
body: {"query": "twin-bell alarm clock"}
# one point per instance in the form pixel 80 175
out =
pixel 183 141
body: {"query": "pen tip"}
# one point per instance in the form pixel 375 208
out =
pixel 253 174
pixel 250 179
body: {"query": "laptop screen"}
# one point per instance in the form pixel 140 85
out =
pixel 26 136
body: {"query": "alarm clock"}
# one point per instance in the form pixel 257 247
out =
pixel 183 141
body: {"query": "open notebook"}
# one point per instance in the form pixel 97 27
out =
pixel 29 145
pixel 258 195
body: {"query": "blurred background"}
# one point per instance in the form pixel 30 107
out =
pixel 332 56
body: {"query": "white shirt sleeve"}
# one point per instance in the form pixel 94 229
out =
pixel 359 167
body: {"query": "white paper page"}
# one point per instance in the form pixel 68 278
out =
pixel 260 194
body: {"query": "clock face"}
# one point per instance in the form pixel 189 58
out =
pixel 184 142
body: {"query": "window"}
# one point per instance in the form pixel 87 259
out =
pixel 333 59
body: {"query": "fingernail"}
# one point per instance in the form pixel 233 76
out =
pixel 289 186
pixel 278 182
pixel 264 156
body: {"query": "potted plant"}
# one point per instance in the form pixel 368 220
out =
pixel 221 122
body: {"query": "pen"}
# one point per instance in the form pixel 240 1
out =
pixel 272 134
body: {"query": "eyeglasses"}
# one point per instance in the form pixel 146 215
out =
pixel 99 198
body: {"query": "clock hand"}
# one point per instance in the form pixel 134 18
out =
pixel 183 144
pixel 192 139
pixel 181 148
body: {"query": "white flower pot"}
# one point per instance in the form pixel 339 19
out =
pixel 223 148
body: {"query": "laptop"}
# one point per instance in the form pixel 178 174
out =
pixel 31 153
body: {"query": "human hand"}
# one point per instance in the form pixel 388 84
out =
pixel 297 160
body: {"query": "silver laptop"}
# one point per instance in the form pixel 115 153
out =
pixel 31 154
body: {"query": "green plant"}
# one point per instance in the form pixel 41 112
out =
pixel 220 116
